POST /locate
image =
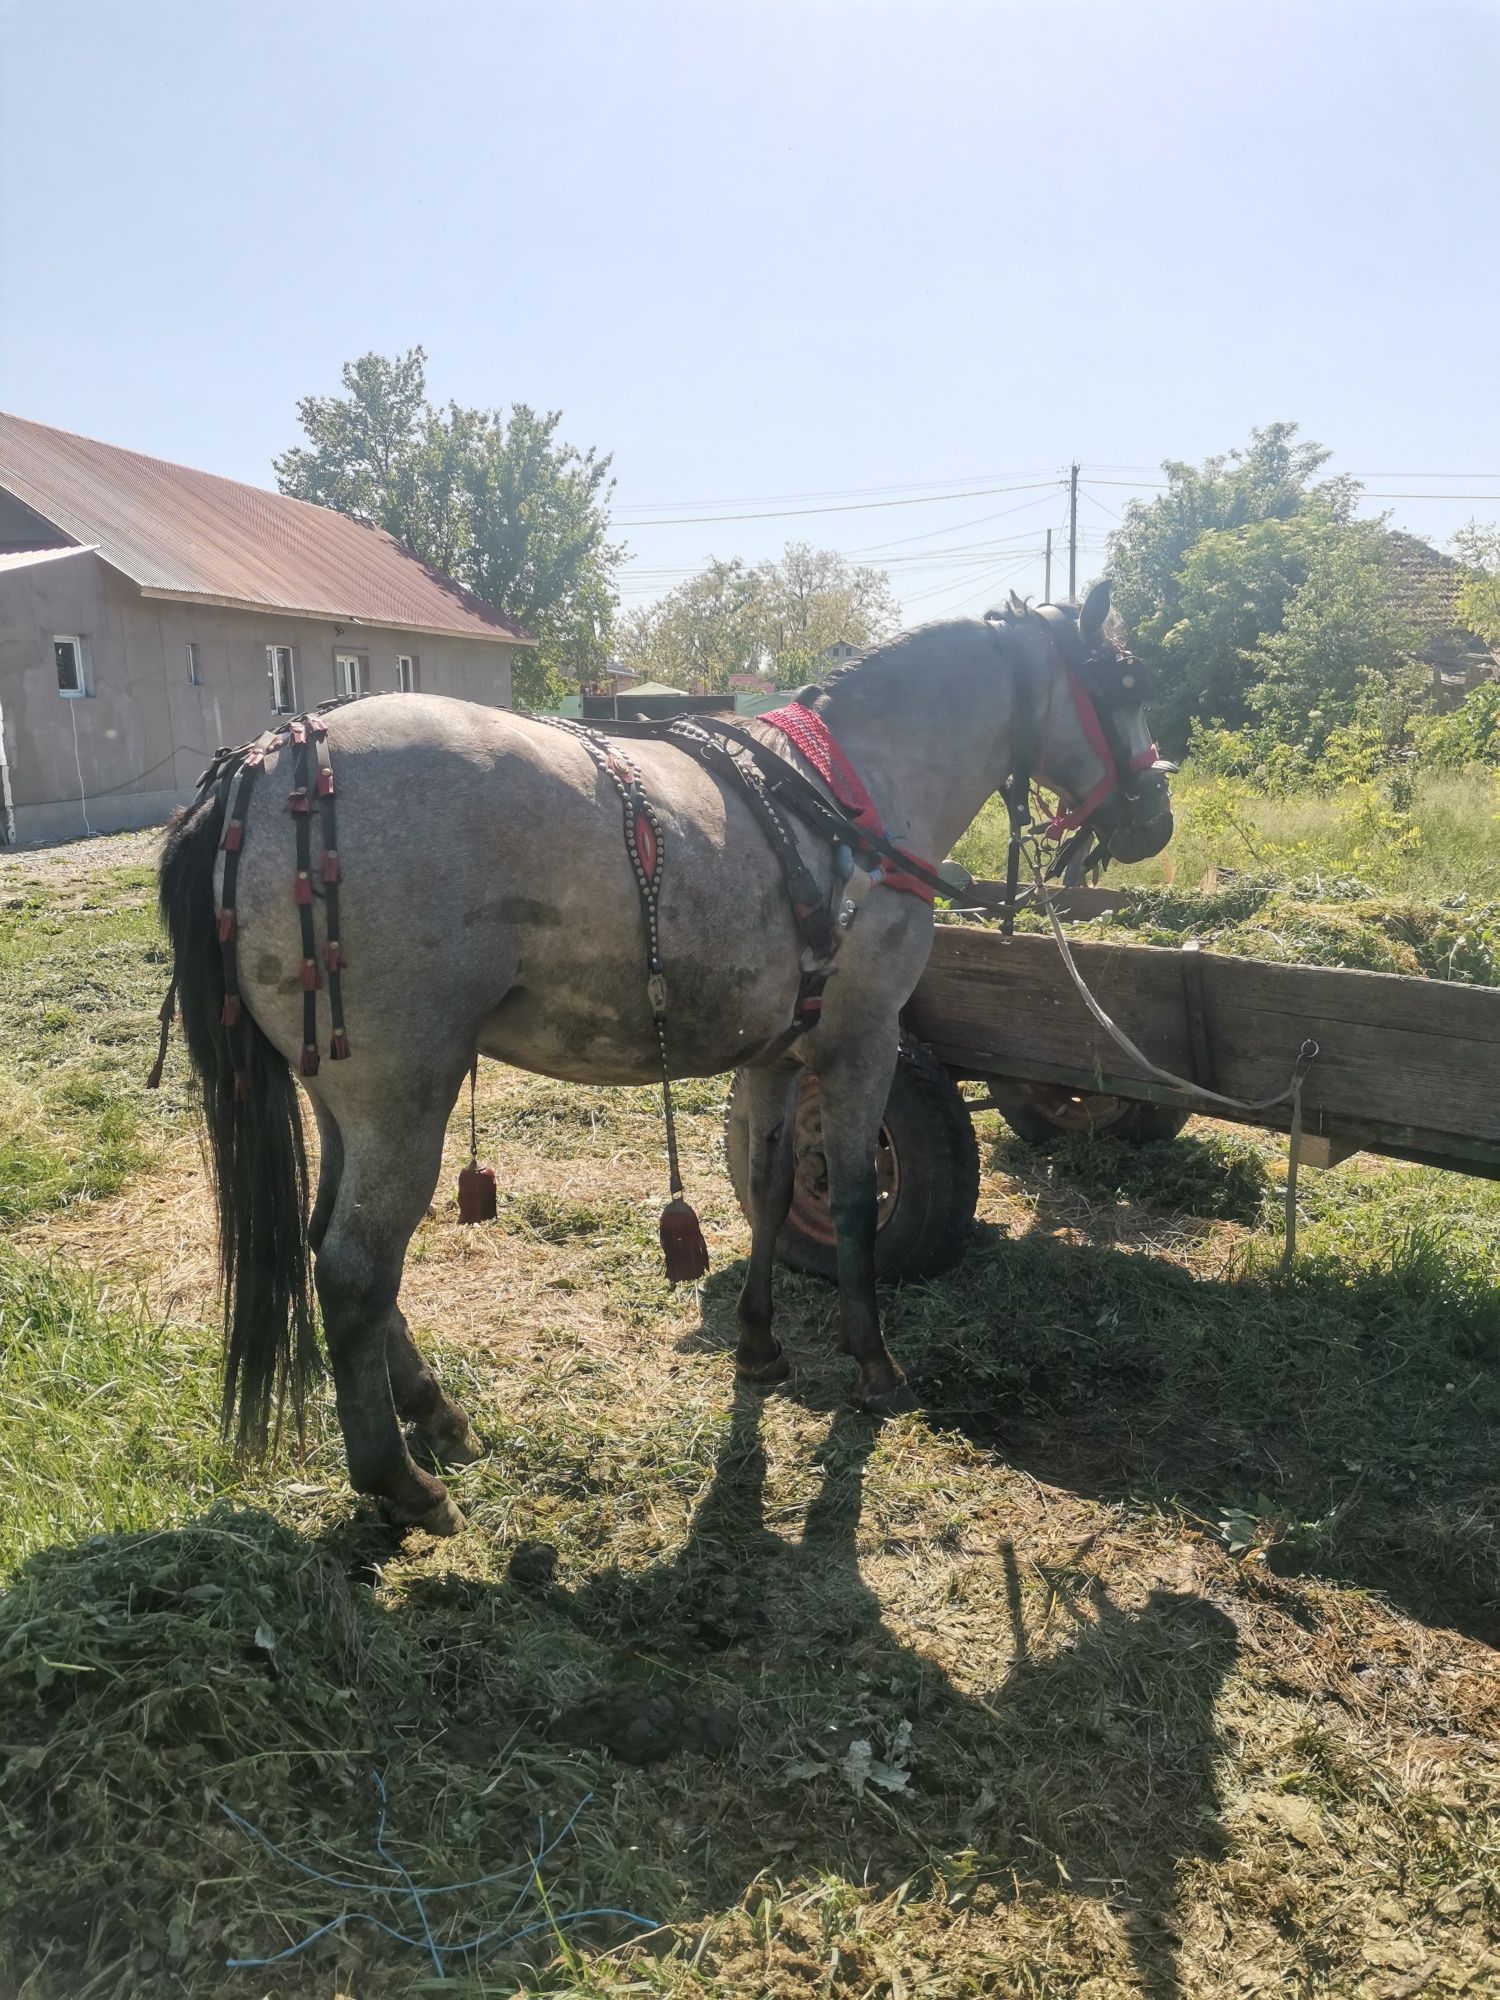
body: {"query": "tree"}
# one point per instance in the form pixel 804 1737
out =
pixel 1165 601
pixel 494 500
pixel 1479 595
pixel 1342 646
pixel 700 633
pixel 779 618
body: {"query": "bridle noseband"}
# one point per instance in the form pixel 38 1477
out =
pixel 1099 680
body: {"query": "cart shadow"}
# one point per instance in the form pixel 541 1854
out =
pixel 1319 1406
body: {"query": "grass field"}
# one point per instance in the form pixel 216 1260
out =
pixel 1152 1654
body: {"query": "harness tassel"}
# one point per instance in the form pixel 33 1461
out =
pixel 476 1184
pixel 682 1243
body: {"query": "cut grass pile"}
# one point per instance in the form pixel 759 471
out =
pixel 1148 1655
pixel 1447 843
pixel 1321 924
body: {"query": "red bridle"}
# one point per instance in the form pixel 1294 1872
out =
pixel 1086 709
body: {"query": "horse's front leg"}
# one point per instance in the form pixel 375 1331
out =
pixel 855 1083
pixel 771 1106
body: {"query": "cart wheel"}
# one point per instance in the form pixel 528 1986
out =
pixel 1039 1112
pixel 926 1172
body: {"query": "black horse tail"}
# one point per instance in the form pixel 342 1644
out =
pixel 255 1146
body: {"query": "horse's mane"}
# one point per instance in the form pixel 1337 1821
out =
pixel 888 653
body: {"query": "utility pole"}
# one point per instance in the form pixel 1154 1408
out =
pixel 1073 532
pixel 1047 584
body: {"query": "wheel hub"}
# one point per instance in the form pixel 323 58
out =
pixel 810 1211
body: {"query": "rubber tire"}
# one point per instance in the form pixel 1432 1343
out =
pixel 931 1133
pixel 1138 1124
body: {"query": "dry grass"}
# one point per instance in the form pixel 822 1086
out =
pixel 1170 1602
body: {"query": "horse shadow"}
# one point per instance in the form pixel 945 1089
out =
pixel 1086 1765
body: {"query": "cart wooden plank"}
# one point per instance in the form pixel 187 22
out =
pixel 1405 1065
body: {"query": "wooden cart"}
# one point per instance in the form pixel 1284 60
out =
pixel 1407 1067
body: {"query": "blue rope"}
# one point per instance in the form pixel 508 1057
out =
pixel 405 1873
pixel 395 1888
pixel 489 1942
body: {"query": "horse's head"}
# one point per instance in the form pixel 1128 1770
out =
pixel 1091 743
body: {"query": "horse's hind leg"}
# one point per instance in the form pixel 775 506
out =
pixel 330 1168
pixel 771 1106
pixel 441 1428
pixel 389 1172
pixel 439 1425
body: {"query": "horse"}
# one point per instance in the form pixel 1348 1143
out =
pixel 486 903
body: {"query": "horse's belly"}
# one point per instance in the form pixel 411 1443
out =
pixel 587 1023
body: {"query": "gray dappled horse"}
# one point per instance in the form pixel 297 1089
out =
pixel 488 904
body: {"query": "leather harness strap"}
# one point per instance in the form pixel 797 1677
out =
pixel 234 773
pixel 299 805
pixel 643 843
pixel 333 874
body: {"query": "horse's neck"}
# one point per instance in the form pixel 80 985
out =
pixel 930 736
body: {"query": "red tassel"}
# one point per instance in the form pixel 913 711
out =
pixel 227 927
pixel 682 1243
pixel 302 889
pixel 297 731
pixel 309 975
pixel 331 870
pixel 296 801
pixel 309 1059
pixel 234 834
pixel 242 1084
pixel 325 782
pixel 333 957
pixel 476 1194
pixel 316 727
pixel 230 1017
pixel 338 1046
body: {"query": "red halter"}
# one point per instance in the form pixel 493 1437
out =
pixel 1088 717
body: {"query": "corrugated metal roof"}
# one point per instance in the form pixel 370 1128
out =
pixel 182 533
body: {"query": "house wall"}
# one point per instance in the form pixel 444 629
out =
pixel 145 733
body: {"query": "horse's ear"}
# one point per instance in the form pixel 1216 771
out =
pixel 1094 611
pixel 1017 606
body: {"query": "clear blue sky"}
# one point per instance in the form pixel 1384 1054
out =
pixel 774 250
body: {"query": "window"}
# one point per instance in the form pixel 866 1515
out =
pixel 72 665
pixel 283 679
pixel 406 673
pixel 351 671
pixel 195 678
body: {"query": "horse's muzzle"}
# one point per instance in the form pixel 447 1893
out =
pixel 1145 825
pixel 1138 840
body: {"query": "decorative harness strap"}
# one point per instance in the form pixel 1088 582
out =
pixel 681 1235
pixel 234 773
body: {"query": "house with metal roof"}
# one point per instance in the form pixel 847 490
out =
pixel 150 613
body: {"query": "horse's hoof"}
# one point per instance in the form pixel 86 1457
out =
pixel 443 1518
pixel 764 1374
pixel 885 1393
pixel 453 1447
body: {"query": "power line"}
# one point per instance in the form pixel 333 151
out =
pixel 872 548
pixel 933 486
pixel 847 507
